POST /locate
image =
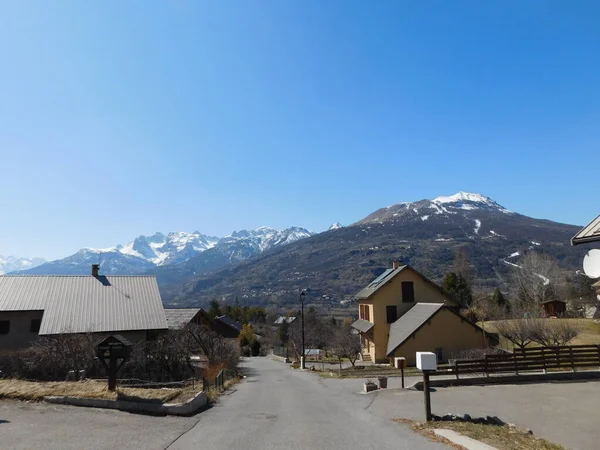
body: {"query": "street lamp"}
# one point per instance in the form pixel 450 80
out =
pixel 302 358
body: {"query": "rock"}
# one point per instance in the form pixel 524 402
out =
pixel 498 421
pixel 529 430
pixel 447 417
pixel 467 417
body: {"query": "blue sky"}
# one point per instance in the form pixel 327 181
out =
pixel 125 118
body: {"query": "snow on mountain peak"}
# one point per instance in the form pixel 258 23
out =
pixel 335 226
pixel 463 196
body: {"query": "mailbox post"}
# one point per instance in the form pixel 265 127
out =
pixel 400 363
pixel 110 351
pixel 427 362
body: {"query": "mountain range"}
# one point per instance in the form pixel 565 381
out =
pixel 268 266
pixel 14 263
pixel 425 234
pixel 146 253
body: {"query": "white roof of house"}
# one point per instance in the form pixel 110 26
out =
pixel 82 304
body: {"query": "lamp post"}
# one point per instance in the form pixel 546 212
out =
pixel 302 358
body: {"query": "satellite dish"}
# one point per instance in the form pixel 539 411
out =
pixel 591 263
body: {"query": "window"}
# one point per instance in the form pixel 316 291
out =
pixel 408 292
pixel 35 325
pixel 363 312
pixel 391 312
pixel 4 326
pixel 439 353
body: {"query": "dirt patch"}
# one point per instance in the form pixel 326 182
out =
pixel 502 437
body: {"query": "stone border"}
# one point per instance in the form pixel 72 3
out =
pixel 510 379
pixel 282 359
pixel 190 407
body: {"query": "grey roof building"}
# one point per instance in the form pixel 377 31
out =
pixel 410 322
pixel 589 233
pixel 79 304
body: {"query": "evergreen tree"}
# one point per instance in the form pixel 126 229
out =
pixel 214 309
pixel 458 287
pixel 500 300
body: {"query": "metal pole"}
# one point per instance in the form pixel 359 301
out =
pixel 303 350
pixel 427 395
pixel 402 372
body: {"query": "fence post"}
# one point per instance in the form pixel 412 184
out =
pixel 485 365
pixel 544 358
pixel 572 362
pixel 515 360
pixel 598 354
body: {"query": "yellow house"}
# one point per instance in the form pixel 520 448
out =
pixel 402 312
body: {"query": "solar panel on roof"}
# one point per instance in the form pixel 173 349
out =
pixel 380 278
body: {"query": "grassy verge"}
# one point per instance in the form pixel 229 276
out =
pixel 36 391
pixel 501 437
pixel 213 394
pixel 368 372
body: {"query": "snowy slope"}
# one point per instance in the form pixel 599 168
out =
pixel 148 252
pixel 13 263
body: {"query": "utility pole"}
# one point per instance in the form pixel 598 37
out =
pixel 302 358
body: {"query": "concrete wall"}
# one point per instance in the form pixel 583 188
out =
pixel 20 326
pixel 391 294
pixel 445 330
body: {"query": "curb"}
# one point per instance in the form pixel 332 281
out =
pixel 280 359
pixel 510 379
pixel 190 407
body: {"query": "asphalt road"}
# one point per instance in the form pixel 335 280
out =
pixel 275 407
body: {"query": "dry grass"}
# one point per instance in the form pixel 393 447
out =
pixel 501 437
pixel 589 335
pixel 36 391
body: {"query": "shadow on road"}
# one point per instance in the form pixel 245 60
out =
pixel 248 372
pixel 4 421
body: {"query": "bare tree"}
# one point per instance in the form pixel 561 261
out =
pixel 536 280
pixel 345 344
pixel 462 266
pixel 518 331
pixel 554 333
pixel 217 349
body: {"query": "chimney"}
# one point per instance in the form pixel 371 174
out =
pixel 95 270
pixel 395 264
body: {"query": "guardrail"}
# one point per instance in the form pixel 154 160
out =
pixel 530 359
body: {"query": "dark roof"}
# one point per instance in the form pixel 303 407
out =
pixel 553 301
pixel 229 321
pixel 589 233
pixel 410 322
pixel 362 325
pixel 177 318
pixel 381 280
pixel 86 304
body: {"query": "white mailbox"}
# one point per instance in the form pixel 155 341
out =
pixel 426 361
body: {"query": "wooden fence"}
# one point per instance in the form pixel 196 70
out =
pixel 529 360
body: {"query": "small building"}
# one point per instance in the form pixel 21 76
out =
pixel 284 319
pixel 179 318
pixel 51 305
pixel 402 312
pixel 554 308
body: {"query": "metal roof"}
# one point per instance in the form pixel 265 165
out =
pixel 410 322
pixel 381 280
pixel 589 233
pixel 281 319
pixel 177 318
pixel 82 304
pixel 362 325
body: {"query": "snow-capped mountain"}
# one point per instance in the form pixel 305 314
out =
pixel 145 253
pixel 445 206
pixel 335 226
pixel 425 234
pixel 12 263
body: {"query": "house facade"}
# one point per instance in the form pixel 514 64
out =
pixel 41 305
pixel 397 314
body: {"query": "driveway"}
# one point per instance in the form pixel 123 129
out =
pixel 276 407
pixel 566 413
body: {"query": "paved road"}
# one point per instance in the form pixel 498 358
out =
pixel 276 407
